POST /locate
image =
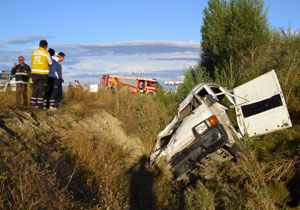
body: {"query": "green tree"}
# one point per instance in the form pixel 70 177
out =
pixel 234 34
pixel 214 33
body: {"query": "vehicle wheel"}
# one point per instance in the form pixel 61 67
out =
pixel 237 149
pixel 206 167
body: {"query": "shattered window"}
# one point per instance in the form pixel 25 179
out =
pixel 217 90
pixel 202 93
pixel 195 103
pixel 155 84
pixel 189 108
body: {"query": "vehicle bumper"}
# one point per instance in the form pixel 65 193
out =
pixel 204 144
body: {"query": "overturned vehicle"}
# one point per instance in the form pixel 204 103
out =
pixel 202 126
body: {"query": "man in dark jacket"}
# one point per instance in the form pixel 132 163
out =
pixel 49 102
pixel 22 73
pixel 58 93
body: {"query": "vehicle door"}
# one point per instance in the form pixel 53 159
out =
pixel 260 106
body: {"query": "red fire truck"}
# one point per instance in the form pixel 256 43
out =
pixel 134 85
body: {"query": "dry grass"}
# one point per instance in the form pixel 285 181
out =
pixel 7 100
pixel 86 169
pixel 245 185
pixel 249 184
pixel 65 167
pixel 103 165
pixel 25 186
pixel 144 116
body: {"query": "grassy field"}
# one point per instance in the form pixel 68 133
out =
pixel 7 100
pixel 69 159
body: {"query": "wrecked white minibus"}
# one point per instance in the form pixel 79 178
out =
pixel 202 125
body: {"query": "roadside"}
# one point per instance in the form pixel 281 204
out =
pixel 93 154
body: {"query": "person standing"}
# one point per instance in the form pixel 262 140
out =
pixel 58 93
pixel 49 102
pixel 40 62
pixel 22 73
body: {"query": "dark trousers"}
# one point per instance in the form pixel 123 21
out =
pixel 40 87
pixel 49 94
pixel 57 93
pixel 21 92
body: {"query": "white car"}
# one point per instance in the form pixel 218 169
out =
pixel 202 125
pixel 7 82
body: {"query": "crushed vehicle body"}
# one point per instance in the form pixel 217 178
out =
pixel 203 127
pixel 7 82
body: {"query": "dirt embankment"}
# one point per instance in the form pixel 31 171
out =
pixel 25 125
pixel 39 152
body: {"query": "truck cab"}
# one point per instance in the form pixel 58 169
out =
pixel 202 125
pixel 133 85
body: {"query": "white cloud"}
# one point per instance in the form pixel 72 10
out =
pixel 160 59
pixel 26 39
pixel 192 44
pixel 188 56
pixel 129 48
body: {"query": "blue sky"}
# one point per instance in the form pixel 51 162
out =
pixel 103 21
pixel 117 35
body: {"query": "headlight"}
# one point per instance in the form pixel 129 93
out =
pixel 211 121
pixel 201 128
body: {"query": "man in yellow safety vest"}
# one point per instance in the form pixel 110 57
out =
pixel 40 61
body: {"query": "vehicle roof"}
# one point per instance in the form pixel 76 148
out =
pixel 189 97
pixel 200 85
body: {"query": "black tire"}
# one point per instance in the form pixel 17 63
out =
pixel 238 149
pixel 150 94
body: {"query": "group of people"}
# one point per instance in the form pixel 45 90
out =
pixel 46 75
